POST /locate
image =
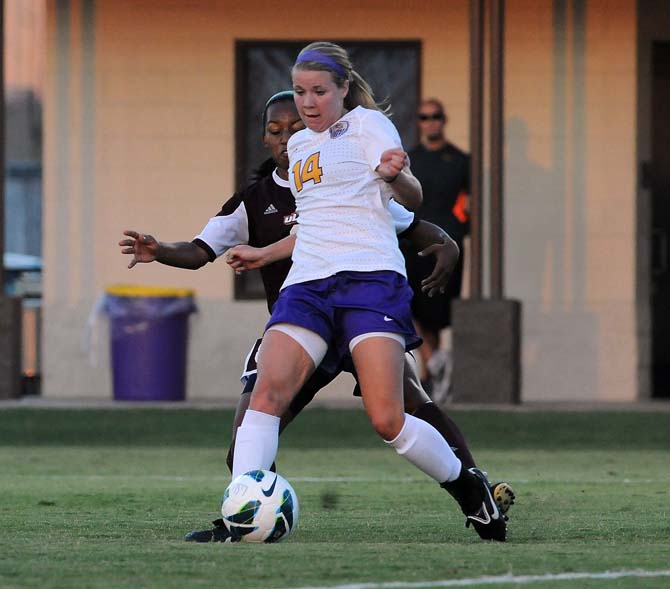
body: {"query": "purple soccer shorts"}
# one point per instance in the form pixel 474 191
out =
pixel 346 305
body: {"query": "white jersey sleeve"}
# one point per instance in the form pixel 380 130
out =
pixel 225 231
pixel 402 218
pixel 379 134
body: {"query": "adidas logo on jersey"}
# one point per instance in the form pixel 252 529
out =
pixel 271 209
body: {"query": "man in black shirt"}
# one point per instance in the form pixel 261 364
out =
pixel 444 173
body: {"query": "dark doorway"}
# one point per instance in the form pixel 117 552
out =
pixel 264 67
pixel 660 262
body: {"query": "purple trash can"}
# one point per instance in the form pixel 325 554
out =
pixel 149 341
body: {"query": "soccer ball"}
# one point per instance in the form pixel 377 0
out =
pixel 259 506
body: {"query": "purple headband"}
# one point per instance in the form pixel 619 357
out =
pixel 317 57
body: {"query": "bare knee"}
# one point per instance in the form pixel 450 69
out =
pixel 387 424
pixel 270 396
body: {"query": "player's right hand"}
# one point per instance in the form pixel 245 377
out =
pixel 244 257
pixel 141 246
pixel 391 163
pixel 446 257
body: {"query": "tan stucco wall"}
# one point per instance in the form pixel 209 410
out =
pixel 570 182
pixel 139 134
pixel 24 32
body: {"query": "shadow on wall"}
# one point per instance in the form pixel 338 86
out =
pixel 545 234
pixel 547 231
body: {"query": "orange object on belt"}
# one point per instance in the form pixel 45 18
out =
pixel 461 207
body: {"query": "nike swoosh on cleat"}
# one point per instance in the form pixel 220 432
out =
pixel 271 490
pixel 386 318
pixel 481 519
pixel 489 517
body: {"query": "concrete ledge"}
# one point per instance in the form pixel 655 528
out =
pixel 486 341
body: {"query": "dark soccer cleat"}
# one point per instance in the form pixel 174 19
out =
pixel 488 521
pixel 472 492
pixel 503 495
pixel 219 533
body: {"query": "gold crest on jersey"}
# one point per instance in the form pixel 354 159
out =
pixel 338 129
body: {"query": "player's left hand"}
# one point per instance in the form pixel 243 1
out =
pixel 446 258
pixel 392 163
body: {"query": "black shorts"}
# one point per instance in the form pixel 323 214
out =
pixel 320 379
pixel 314 384
pixel 250 366
pixel 432 312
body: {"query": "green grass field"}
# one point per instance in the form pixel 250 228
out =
pixel 102 498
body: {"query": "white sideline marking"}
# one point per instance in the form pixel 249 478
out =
pixel 226 478
pixel 501 579
pixel 408 480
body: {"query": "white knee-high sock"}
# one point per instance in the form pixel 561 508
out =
pixel 421 444
pixel 256 442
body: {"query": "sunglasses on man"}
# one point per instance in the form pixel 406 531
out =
pixel 438 116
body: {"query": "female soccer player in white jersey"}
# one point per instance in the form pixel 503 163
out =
pixel 243 219
pixel 346 290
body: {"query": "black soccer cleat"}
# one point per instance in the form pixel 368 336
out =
pixel 488 521
pixel 503 495
pixel 472 492
pixel 219 533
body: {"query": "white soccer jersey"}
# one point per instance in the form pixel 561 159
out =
pixel 225 231
pixel 342 203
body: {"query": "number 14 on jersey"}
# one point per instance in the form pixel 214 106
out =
pixel 309 172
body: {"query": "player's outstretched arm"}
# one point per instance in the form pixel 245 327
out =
pixel 146 248
pixel 394 168
pixel 429 239
pixel 246 257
